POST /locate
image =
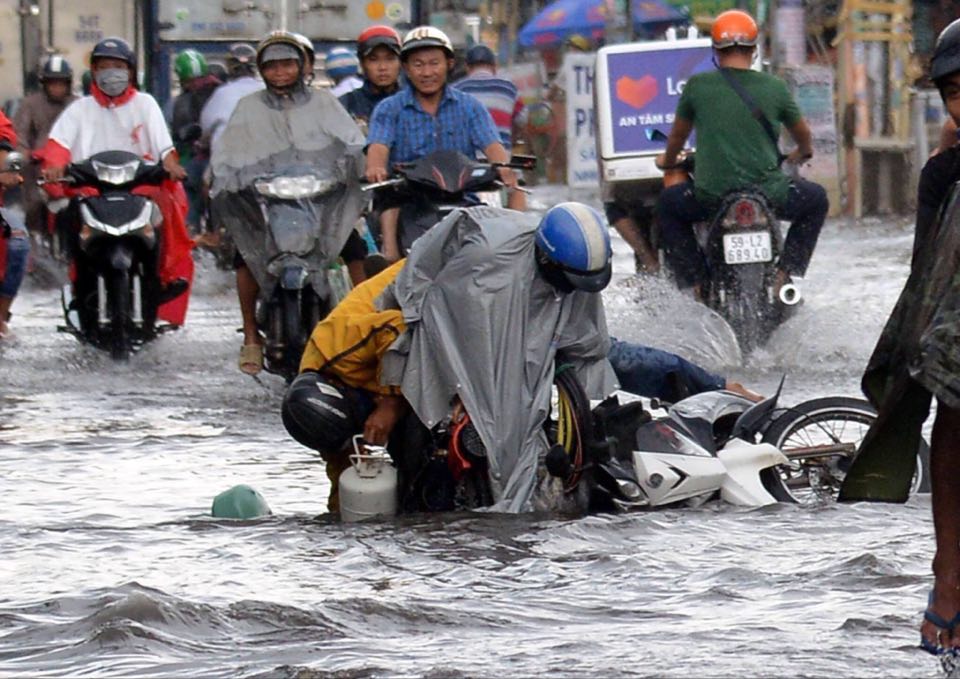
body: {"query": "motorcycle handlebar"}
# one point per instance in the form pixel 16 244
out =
pixel 394 181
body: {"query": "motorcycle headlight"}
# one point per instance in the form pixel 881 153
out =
pixel 292 188
pixel 116 174
pixel 630 490
pixel 142 225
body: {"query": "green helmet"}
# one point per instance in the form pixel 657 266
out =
pixel 190 64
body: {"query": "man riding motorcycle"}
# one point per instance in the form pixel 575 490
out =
pixel 286 122
pixel 378 49
pixel 341 66
pixel 33 121
pixel 499 95
pixel 118 117
pixel 538 275
pixel 242 80
pixel 736 150
pixel 197 85
pixel 429 116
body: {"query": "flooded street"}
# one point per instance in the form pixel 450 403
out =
pixel 112 566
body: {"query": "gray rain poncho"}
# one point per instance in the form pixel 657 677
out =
pixel 269 135
pixel 483 325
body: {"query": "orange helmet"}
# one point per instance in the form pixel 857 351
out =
pixel 734 28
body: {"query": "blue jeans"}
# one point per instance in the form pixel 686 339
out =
pixel 653 373
pixel 678 209
pixel 18 249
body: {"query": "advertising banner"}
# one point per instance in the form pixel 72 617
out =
pixel 577 76
pixel 641 88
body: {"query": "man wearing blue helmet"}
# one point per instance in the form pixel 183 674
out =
pixel 487 299
pixel 493 300
pixel 342 67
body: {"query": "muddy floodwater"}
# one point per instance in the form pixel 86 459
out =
pixel 111 565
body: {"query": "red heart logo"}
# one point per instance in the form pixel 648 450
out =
pixel 636 93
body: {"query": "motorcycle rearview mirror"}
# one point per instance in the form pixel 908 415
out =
pixel 749 421
pixel 14 162
pixel 653 134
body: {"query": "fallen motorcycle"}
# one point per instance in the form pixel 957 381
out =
pixel 617 456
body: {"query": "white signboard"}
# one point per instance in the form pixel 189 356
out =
pixel 578 72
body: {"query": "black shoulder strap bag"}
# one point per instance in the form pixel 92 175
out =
pixel 755 110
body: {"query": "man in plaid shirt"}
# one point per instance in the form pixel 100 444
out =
pixel 429 116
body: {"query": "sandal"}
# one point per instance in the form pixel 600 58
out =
pixel 251 359
pixel 935 648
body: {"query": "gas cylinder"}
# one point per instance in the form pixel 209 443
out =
pixel 368 488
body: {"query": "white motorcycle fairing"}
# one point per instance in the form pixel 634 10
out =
pixel 667 478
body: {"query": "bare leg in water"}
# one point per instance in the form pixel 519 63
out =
pixel 247 291
pixel 945 486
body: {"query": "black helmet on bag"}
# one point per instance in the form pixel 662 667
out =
pixel 946 53
pixel 56 68
pixel 114 48
pixel 480 54
pixel 317 414
pixel 241 60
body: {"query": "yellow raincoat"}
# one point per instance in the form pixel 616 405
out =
pixel 352 339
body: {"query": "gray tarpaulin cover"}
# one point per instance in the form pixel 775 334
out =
pixel 268 135
pixel 484 326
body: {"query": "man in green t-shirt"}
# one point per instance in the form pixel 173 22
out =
pixel 734 151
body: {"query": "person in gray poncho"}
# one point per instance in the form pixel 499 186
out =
pixel 918 357
pixel 285 125
pixel 490 298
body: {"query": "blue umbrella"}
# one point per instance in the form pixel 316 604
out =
pixel 564 18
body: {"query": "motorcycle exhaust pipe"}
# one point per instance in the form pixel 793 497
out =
pixel 790 294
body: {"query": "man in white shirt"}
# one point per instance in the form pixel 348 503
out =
pixel 118 117
pixel 242 71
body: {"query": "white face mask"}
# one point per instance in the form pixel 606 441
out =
pixel 113 81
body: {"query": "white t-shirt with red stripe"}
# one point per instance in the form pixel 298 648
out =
pixel 85 128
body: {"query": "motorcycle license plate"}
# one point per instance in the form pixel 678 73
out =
pixel 747 247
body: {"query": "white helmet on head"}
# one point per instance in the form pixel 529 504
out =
pixel 425 36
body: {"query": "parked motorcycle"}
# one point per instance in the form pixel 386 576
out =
pixel 305 282
pixel 437 184
pixel 114 248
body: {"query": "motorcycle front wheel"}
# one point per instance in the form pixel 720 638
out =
pixel 118 304
pixel 820 438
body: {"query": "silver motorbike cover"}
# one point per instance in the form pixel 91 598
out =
pixel 484 326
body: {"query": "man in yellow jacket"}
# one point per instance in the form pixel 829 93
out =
pixel 338 392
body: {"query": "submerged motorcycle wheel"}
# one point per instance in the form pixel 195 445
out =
pixel 118 303
pixel 820 438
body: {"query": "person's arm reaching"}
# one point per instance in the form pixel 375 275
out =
pixel 800 132
pixel 678 136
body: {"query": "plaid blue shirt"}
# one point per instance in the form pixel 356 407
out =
pixel 461 124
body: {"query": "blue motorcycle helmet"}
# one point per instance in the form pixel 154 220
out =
pixel 573 248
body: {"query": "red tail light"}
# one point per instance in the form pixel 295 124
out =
pixel 745 212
